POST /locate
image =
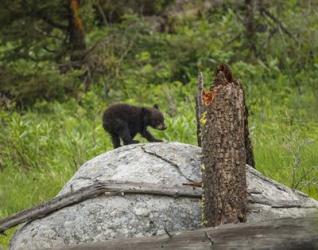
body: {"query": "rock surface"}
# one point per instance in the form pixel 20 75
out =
pixel 171 164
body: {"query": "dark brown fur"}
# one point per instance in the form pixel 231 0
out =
pixel 123 121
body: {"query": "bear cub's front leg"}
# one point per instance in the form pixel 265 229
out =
pixel 145 133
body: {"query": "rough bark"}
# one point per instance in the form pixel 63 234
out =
pixel 248 143
pixel 223 151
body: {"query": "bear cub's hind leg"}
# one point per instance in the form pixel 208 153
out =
pixel 125 135
pixel 115 141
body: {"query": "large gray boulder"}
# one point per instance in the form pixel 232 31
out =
pixel 170 164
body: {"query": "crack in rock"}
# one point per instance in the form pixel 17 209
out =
pixel 272 182
pixel 175 165
pixel 209 238
pixel 279 205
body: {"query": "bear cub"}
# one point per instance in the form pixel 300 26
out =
pixel 123 121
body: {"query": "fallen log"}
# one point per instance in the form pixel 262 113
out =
pixel 300 233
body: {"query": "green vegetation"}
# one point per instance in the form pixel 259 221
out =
pixel 50 125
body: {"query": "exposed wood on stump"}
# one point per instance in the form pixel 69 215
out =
pixel 223 151
pixel 99 188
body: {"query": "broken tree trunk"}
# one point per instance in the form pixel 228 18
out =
pixel 199 106
pixel 223 126
pixel 200 109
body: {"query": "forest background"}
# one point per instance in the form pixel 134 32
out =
pixel 63 62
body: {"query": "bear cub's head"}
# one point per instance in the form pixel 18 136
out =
pixel 154 118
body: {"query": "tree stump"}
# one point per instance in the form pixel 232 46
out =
pixel 224 155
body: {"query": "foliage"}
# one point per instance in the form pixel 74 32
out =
pixel 113 11
pixel 27 82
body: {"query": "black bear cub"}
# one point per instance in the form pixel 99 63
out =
pixel 123 121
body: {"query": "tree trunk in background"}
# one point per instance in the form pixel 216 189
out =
pixel 223 124
pixel 76 32
pixel 77 42
pixel 250 26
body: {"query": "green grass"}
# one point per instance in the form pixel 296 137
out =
pixel 289 159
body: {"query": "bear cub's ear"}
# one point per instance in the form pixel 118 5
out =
pixel 156 106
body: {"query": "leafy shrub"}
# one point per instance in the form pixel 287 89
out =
pixel 26 82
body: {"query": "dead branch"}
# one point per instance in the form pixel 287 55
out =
pixel 89 192
pixel 198 107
